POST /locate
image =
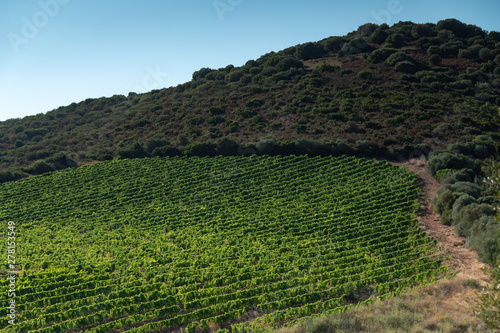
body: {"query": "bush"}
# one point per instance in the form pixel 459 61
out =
pixel 268 146
pixel 497 59
pixel 227 147
pixel 435 60
pixel 309 51
pixel 62 160
pixel 311 148
pixel 485 54
pixel 133 150
pixel 467 216
pixel 434 49
pixel 443 206
pixel 396 39
pixel 398 57
pixel 452 47
pixel 453 176
pixel 381 54
pixel 405 67
pixel 448 160
pixel 379 36
pixel 11 175
pixel 200 149
pixel 365 74
pixel 461 202
pixel 466 187
pixel 441 173
pixel 166 151
pixel 39 168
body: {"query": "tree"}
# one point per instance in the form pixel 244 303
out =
pixel 485 54
pixel 309 51
pixel 397 40
pixel 227 147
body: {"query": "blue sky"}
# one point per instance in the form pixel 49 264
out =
pixel 55 52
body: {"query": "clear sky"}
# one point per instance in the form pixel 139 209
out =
pixel 55 52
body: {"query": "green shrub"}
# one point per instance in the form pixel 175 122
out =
pixel 434 49
pixel 200 149
pixel 443 206
pixel 448 160
pixel 398 57
pixel 227 147
pixel 467 188
pixel 440 173
pixel 434 60
pixel 467 216
pixel 268 146
pixel 396 39
pixel 166 151
pixel 379 36
pixel 11 175
pixel 365 74
pixel 460 203
pixel 39 167
pixel 462 175
pixel 381 54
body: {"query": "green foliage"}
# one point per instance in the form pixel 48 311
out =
pixel 470 215
pixel 227 147
pixel 200 149
pixel 247 98
pixel 39 168
pixel 451 176
pixel 396 40
pixel 433 50
pixel 435 60
pixel 466 187
pixel 399 56
pixel 489 303
pixel 381 54
pixel 448 160
pixel 405 67
pixel 461 202
pixel 365 74
pixel 309 51
pixel 444 172
pixel 443 206
pixel 379 36
pixel 134 149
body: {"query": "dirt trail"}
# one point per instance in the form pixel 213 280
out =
pixel 464 261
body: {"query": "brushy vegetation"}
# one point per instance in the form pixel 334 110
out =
pixel 468 195
pixel 489 305
pixel 378 88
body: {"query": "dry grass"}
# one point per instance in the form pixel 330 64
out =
pixel 315 63
pixel 445 306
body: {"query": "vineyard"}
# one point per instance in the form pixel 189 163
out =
pixel 205 244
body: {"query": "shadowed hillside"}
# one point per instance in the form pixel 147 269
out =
pixel 382 90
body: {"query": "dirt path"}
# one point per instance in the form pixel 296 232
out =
pixel 464 261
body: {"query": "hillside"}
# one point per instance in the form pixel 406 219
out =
pixel 381 90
